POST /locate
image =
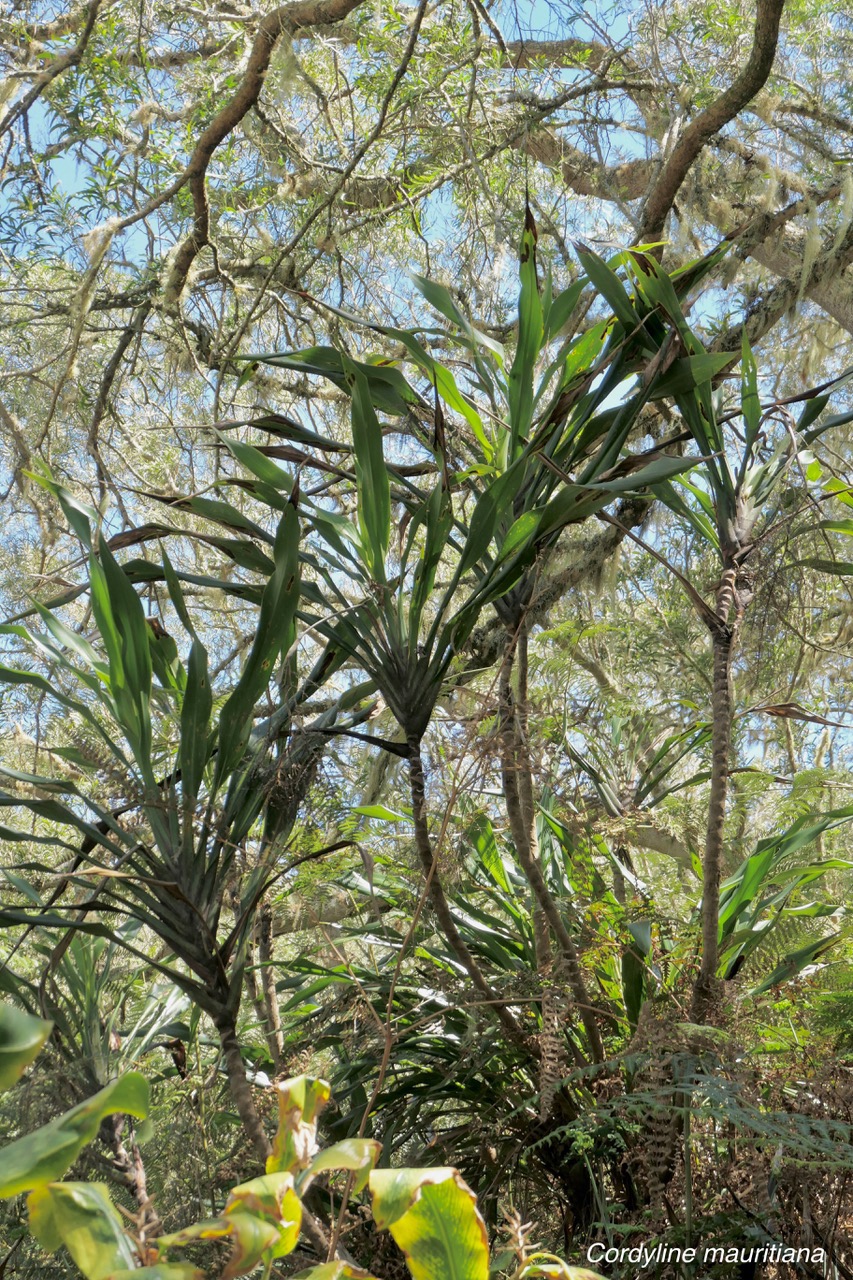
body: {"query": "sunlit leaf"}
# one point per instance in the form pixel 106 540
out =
pixel 433 1217
pixel 21 1039
pixel 45 1155
pixel 81 1216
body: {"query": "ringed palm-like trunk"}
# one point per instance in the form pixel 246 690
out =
pixel 238 1083
pixel 723 636
pixel 241 1093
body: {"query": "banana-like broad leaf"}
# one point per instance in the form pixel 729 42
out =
pixel 44 1156
pixel 81 1216
pixel 546 1264
pixel 432 1214
pixel 262 1218
pixel 271 1196
pixel 253 1239
pixel 300 1101
pixel 21 1039
pixel 358 1155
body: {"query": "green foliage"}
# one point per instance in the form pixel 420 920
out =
pixel 431 1214
pixel 45 1155
pixel 174 867
pixel 21 1040
pixel 433 1217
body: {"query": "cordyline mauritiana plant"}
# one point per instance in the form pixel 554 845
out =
pixel 538 451
pixel 203 804
pixel 431 1213
pixel 725 504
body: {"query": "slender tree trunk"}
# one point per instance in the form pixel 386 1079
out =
pixel 516 774
pixel 441 905
pixel 272 1022
pixel 721 739
pixel 241 1092
pixel 251 980
pixel 515 740
pixel 238 1083
pixel 554 1000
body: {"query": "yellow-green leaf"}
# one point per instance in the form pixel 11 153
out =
pixel 44 1156
pixel 359 1155
pixel 300 1101
pixel 334 1271
pixel 21 1038
pixel 81 1216
pixel 253 1240
pixel 272 1198
pixel 432 1214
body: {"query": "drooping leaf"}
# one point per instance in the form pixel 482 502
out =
pixel 379 811
pixel 358 1155
pixel 432 1214
pixel 334 1271
pixel 794 963
pixel 81 1216
pixel 21 1039
pixel 79 515
pixel 45 1155
pixel 252 1239
pixel 387 386
pixel 300 1101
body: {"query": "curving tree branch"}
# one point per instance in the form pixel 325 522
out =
pixel 287 18
pixel 715 117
